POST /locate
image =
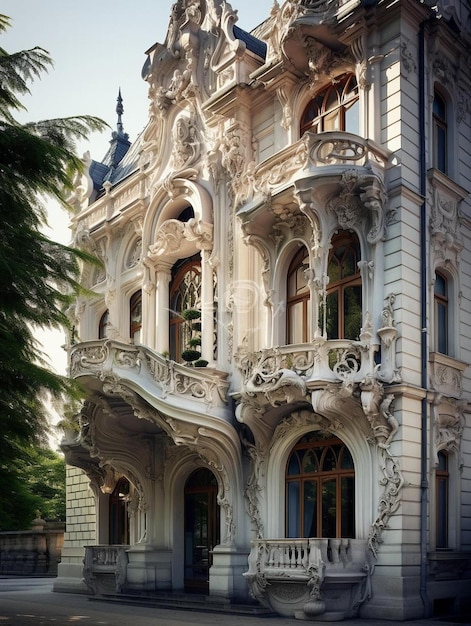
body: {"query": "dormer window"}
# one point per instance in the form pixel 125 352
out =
pixel 334 108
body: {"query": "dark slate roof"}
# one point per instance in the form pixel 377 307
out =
pixel 257 46
pixel 112 170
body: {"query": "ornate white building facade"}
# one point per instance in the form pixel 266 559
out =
pixel 276 352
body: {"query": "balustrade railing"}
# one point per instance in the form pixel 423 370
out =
pixel 144 366
pixel 277 557
pixel 332 361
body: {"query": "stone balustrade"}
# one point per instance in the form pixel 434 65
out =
pixel 35 552
pixel 308 577
pixel 108 359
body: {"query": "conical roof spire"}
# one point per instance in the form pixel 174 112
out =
pixel 119 111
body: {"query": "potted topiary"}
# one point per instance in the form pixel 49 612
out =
pixel 192 356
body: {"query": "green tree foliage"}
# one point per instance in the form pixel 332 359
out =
pixel 37 487
pixel 38 277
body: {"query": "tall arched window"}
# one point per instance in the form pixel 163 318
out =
pixel 135 316
pixel 344 299
pixel 442 504
pixel 441 313
pixel 334 108
pixel 298 299
pixel 185 293
pixel 320 488
pixel 440 139
pixel 103 325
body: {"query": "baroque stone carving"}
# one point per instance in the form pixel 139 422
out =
pixel 449 424
pixel 186 143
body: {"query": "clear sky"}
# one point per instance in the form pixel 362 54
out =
pixel 97 46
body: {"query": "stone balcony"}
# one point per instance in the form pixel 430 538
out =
pixel 310 578
pixel 107 363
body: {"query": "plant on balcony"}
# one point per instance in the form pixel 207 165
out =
pixel 192 356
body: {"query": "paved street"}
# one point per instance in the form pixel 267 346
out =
pixel 25 601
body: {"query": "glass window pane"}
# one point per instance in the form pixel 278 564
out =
pixel 310 462
pixel 332 121
pixel 293 510
pixel 296 323
pixel 348 513
pixel 442 328
pixel 352 118
pixel 329 510
pixel 352 312
pixel 346 461
pixel 310 509
pixel 440 145
pixel 440 285
pixel 332 321
pixel 329 462
pixel 294 467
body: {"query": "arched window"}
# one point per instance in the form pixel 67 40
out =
pixel 334 108
pixel 185 293
pixel 441 313
pixel 344 299
pixel 320 488
pixel 135 316
pixel 298 299
pixel 103 325
pixel 440 138
pixel 442 500
pixel 119 523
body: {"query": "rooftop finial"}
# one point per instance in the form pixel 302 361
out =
pixel 119 111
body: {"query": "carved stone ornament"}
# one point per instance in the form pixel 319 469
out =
pixel 186 143
pixel 444 197
pixel 449 425
pixel 360 197
pixel 174 236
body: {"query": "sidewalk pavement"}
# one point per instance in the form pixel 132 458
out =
pixel 31 601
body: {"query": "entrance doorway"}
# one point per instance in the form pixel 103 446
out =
pixel 201 529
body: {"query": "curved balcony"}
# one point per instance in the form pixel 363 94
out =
pixel 320 155
pixel 309 578
pixel 158 380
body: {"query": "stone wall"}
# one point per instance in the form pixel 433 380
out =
pixel 35 552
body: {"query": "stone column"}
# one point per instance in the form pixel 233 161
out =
pixel 207 307
pixel 162 316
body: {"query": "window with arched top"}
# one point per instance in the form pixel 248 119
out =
pixel 103 325
pixel 298 299
pixel 442 500
pixel 320 488
pixel 185 293
pixel 441 313
pixel 344 291
pixel 135 316
pixel 440 133
pixel 336 107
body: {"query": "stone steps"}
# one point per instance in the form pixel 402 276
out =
pixel 184 601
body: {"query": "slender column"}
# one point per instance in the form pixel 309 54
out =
pixel 148 310
pixel 162 317
pixel 207 307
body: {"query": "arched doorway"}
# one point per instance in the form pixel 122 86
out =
pixel 201 529
pixel 118 513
